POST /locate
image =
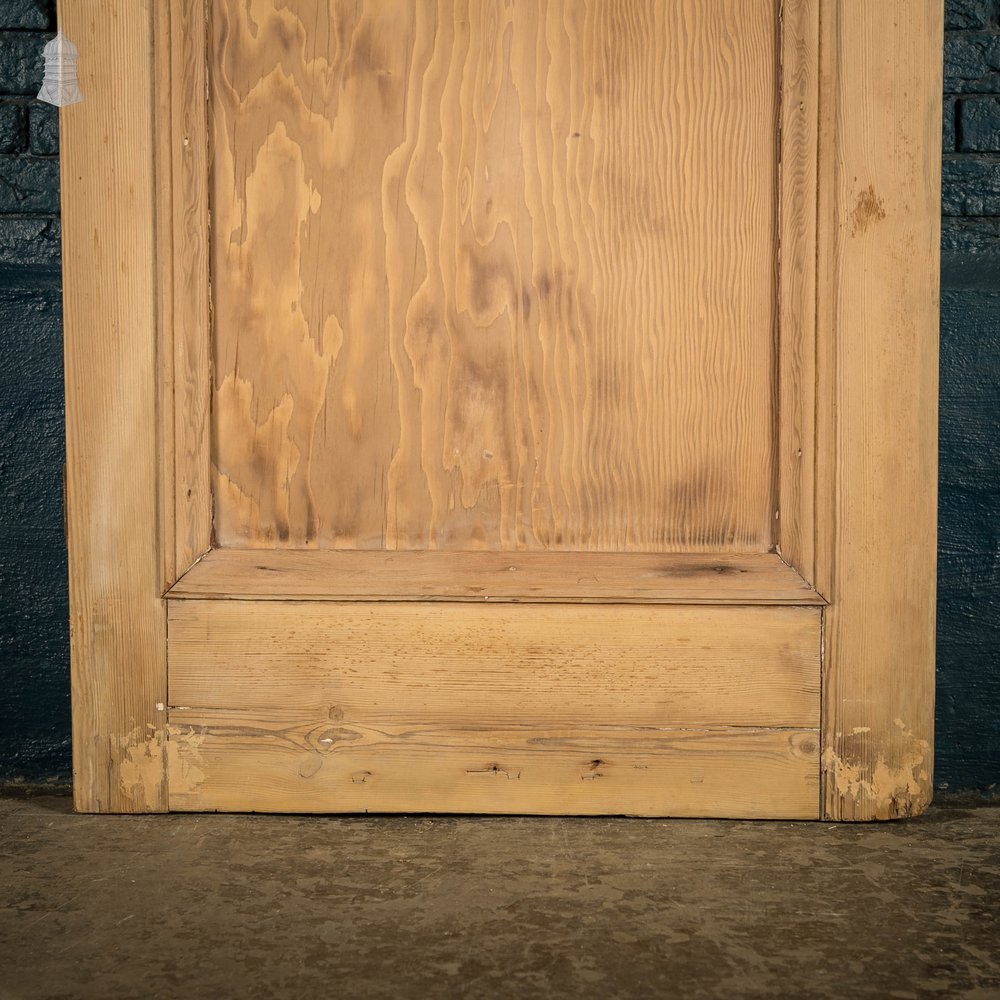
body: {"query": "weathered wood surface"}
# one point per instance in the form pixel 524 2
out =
pixel 286 706
pixel 117 622
pixel 495 276
pixel 591 577
pixel 504 279
pixel 884 103
pixel 746 773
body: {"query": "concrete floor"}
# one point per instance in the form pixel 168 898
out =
pixel 436 907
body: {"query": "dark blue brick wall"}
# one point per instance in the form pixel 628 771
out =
pixel 34 669
pixel 968 660
pixel 34 634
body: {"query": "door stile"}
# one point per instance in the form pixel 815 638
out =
pixel 117 617
pixel 880 141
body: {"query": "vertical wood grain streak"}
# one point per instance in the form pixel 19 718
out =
pixel 117 621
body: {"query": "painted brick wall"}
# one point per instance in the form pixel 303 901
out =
pixel 34 637
pixel 34 669
pixel 968 706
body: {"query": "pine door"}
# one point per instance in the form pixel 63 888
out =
pixel 503 406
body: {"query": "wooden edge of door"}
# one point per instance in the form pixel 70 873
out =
pixel 879 291
pixel 117 619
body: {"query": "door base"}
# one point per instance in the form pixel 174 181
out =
pixel 322 706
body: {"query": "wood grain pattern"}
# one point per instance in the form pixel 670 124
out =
pixel 670 710
pixel 746 773
pixel 182 281
pixel 117 622
pixel 592 577
pixel 584 316
pixel 879 683
pixel 495 276
pixel 503 664
pixel 797 372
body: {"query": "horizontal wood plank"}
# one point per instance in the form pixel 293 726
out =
pixel 595 577
pixel 239 764
pixel 498 664
pixel 291 706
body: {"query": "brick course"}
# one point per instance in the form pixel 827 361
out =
pixel 21 61
pixel 978 125
pixel 963 14
pixel 29 130
pixel 28 15
pixel 12 128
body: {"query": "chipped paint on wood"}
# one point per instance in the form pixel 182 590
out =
pixel 874 784
pixel 141 766
pixel 184 759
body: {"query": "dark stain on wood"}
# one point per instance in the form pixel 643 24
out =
pixel 869 210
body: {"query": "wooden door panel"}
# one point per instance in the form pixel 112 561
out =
pixel 535 708
pixel 495 275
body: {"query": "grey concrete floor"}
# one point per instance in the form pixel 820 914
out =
pixel 428 907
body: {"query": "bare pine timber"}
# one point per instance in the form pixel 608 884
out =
pixel 879 672
pixel 745 773
pixel 117 620
pixel 797 347
pixel 825 425
pixel 495 276
pixel 503 285
pixel 182 260
pixel 533 664
pixel 584 577
pixel 353 707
